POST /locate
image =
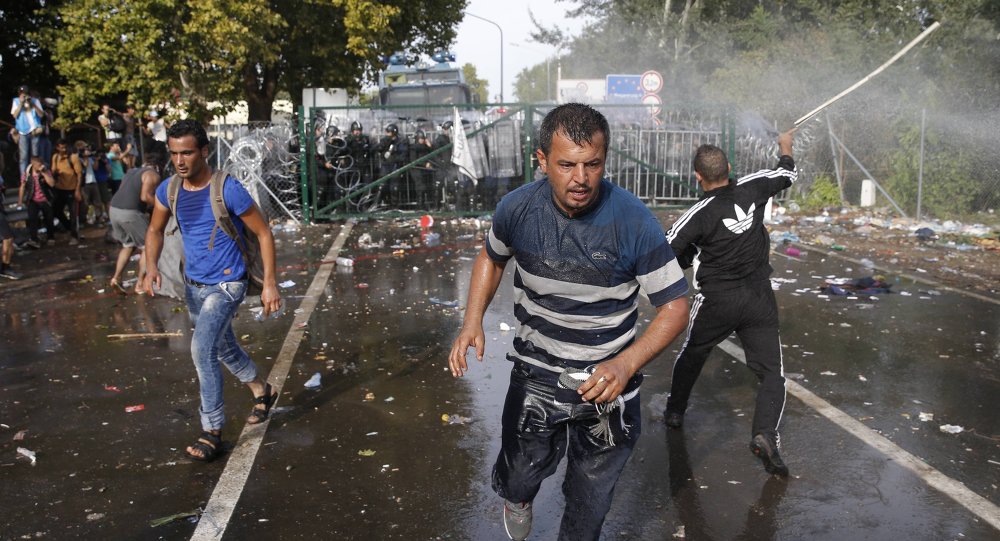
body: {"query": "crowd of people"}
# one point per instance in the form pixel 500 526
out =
pixel 76 184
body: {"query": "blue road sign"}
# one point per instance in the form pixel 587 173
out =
pixel 624 88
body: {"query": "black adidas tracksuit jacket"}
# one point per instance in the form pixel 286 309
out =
pixel 723 235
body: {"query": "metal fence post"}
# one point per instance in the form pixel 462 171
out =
pixel 528 128
pixel 920 170
pixel 304 166
pixel 729 134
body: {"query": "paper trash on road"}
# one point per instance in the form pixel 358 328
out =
pixel 952 429
pixel 29 454
pixel 455 419
pixel 314 381
pixel 924 416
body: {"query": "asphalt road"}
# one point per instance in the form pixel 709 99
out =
pixel 367 454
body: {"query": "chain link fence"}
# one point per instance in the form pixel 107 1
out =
pixel 398 162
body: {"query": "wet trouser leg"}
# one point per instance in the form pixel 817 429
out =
pixel 213 343
pixel 759 336
pixel 710 321
pixel 592 470
pixel 65 200
pixel 537 432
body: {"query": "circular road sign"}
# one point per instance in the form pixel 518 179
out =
pixel 651 82
pixel 654 102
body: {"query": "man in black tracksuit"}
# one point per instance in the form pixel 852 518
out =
pixel 724 238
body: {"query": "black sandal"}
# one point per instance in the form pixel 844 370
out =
pixel 267 399
pixel 210 446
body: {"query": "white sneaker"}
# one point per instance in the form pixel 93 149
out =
pixel 517 520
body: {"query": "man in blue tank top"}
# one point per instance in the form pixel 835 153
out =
pixel 583 249
pixel 216 279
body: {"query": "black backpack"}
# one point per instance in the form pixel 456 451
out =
pixel 116 123
pixel 248 243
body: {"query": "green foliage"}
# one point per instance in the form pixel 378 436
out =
pixel 204 56
pixel 823 193
pixel 476 85
pixel 950 182
pixel 22 60
pixel 535 84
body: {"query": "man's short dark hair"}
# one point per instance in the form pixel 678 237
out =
pixel 711 163
pixel 577 121
pixel 183 128
pixel 62 142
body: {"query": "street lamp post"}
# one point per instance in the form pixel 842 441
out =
pixel 501 48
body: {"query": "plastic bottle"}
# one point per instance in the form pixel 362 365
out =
pixel 258 313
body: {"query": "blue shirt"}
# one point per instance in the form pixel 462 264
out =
pixel 26 120
pixel 577 280
pixel 224 263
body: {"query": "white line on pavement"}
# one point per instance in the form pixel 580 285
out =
pixel 979 505
pixel 227 491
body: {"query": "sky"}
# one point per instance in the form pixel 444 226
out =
pixel 478 41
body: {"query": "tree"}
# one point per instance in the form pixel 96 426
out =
pixel 194 53
pixel 22 59
pixel 534 84
pixel 476 85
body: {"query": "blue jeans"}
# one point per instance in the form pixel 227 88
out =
pixel 27 146
pixel 212 308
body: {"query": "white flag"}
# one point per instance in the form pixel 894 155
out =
pixel 460 153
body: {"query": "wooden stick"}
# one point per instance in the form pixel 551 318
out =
pixel 878 70
pixel 140 335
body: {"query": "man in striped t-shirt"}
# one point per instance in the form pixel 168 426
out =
pixel 583 249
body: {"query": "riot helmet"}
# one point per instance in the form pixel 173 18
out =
pixel 420 135
pixel 392 129
pixel 447 125
pixel 356 126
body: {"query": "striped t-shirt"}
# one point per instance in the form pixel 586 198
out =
pixel 577 280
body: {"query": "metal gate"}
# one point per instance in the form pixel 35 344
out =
pixel 402 163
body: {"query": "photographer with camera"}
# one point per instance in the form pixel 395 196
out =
pixel 37 183
pixel 95 194
pixel 113 124
pixel 67 172
pixel 27 113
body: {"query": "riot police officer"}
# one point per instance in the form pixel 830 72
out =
pixel 359 149
pixel 393 151
pixel 444 171
pixel 422 174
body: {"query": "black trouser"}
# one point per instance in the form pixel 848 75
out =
pixel 752 313
pixel 61 199
pixel 536 433
pixel 34 208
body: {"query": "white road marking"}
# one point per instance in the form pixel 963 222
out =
pixel 975 503
pixel 220 506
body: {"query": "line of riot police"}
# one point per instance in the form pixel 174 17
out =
pixel 347 162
